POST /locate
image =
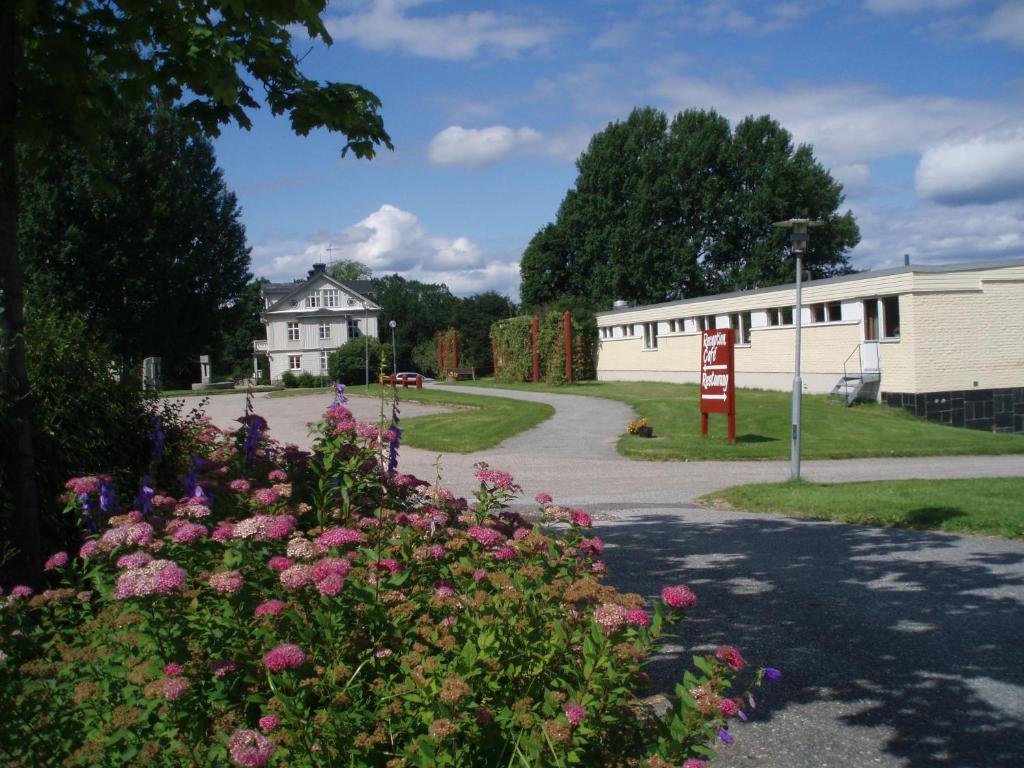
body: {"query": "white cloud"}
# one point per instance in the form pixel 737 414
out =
pixel 911 6
pixel 456 145
pixel 391 240
pixel 931 235
pixel 386 26
pixel 854 177
pixel 983 169
pixel 475 147
pixel 1006 24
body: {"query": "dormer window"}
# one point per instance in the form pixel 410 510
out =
pixel 331 297
pixel 313 300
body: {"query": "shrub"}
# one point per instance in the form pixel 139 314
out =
pixel 307 379
pixel 320 610
pixel 348 362
pixel 88 416
pixel 289 379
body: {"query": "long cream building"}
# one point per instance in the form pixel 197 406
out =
pixel 944 342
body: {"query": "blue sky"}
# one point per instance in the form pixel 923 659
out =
pixel 916 106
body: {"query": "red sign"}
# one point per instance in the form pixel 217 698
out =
pixel 717 378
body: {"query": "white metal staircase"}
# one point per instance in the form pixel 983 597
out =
pixel 862 383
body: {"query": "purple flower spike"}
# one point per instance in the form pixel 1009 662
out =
pixel 771 673
pixel 724 736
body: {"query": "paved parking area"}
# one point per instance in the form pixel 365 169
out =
pixel 899 648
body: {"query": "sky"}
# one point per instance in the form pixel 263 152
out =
pixel 915 106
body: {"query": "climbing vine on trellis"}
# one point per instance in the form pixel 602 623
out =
pixel 447 342
pixel 513 347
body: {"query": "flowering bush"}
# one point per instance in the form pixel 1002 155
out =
pixel 636 425
pixel 326 610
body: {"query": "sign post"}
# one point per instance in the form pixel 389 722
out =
pixel 717 378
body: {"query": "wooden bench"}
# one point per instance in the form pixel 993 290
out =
pixel 458 374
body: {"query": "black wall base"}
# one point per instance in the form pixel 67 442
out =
pixel 993 410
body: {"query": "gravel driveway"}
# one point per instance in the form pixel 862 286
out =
pixel 899 648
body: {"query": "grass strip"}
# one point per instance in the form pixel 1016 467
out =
pixel 480 421
pixel 178 393
pixel 990 506
pixel 830 431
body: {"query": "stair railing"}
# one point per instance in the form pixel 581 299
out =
pixel 846 375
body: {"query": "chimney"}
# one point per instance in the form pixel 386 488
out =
pixel 620 304
pixel 906 259
pixel 317 268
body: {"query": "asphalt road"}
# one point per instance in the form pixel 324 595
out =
pixel 898 648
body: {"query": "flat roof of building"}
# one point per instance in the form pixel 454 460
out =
pixel 922 268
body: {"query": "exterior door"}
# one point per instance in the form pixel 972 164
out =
pixel 869 357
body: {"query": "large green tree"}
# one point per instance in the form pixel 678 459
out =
pixel 663 210
pixel 151 209
pixel 67 67
pixel 418 309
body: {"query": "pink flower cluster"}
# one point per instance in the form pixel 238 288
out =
pixel 269 608
pixel 158 577
pixel 593 547
pixel 269 722
pixel 279 563
pixel 284 656
pixel 87 484
pixel 264 527
pixel 55 561
pixel 239 485
pixel 638 617
pixel 505 552
pixel 340 418
pixel 250 749
pixel 133 534
pixel 338 537
pixel 575 713
pixel 174 687
pixel 227 582
pixel 193 508
pixel 495 477
pixel 610 616
pixel 485 537
pixel 184 532
pixel 581 518
pixel 134 560
pixel 265 496
pixel 222 667
pixel 678 597
pixel 730 656
pixel 543 498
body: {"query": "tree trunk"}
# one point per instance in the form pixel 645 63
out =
pixel 18 501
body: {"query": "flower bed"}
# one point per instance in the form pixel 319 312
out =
pixel 321 610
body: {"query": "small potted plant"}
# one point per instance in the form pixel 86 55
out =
pixel 640 427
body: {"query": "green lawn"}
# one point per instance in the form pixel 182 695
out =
pixel 480 422
pixel 991 506
pixel 830 431
pixel 213 392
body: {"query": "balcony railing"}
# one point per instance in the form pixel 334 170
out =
pixel 260 345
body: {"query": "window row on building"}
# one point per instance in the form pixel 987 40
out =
pixel 295 361
pixel 324 329
pixel 880 315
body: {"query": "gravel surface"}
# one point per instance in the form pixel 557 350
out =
pixel 898 648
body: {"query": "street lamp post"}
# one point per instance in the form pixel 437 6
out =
pixel 394 365
pixel 366 342
pixel 798 243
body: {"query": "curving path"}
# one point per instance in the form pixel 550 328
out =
pixel 899 648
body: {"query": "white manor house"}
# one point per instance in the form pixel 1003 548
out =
pixel 307 320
